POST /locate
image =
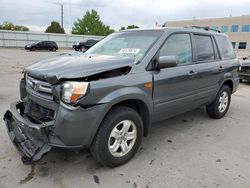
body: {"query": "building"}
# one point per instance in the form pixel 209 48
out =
pixel 237 28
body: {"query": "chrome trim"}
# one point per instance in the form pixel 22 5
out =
pixel 38 85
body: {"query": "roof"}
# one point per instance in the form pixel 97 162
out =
pixel 189 29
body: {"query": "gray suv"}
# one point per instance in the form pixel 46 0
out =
pixel 107 98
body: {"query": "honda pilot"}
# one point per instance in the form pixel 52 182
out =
pixel 107 99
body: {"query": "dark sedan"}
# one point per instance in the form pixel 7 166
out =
pixel 83 46
pixel 42 45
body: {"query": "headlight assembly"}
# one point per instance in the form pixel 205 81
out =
pixel 72 91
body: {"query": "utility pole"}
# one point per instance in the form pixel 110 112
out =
pixel 62 15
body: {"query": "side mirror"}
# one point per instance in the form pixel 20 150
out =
pixel 167 62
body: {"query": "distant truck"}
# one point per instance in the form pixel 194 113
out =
pixel 83 46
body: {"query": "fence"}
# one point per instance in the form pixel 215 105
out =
pixel 20 38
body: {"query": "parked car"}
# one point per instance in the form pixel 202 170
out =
pixel 42 45
pixel 83 46
pixel 244 70
pixel 107 98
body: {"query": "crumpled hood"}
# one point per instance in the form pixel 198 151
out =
pixel 75 65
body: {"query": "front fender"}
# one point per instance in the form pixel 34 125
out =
pixel 128 93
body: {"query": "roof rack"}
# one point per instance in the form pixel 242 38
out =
pixel 207 28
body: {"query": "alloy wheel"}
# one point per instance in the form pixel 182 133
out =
pixel 122 138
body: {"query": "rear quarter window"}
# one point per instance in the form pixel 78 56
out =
pixel 225 47
pixel 204 48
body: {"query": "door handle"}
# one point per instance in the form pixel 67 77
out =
pixel 192 73
pixel 221 68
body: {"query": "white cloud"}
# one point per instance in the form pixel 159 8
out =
pixel 144 13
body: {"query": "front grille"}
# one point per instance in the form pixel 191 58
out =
pixel 37 113
pixel 39 87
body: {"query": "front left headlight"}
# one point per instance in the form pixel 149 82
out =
pixel 72 91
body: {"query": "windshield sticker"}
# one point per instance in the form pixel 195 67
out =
pixel 129 51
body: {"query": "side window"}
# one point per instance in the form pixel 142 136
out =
pixel 204 48
pixel 225 47
pixel 40 44
pixel 178 45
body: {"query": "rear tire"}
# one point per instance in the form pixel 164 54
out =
pixel 53 49
pixel 219 107
pixel 119 137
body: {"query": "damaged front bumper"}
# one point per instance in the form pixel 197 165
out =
pixel 29 138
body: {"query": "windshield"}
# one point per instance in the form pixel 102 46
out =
pixel 133 43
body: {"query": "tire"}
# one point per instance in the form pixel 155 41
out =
pixel 83 49
pixel 53 49
pixel 218 109
pixel 104 148
pixel 32 49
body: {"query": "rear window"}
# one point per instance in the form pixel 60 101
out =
pixel 225 47
pixel 204 48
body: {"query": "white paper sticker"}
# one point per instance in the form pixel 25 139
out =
pixel 129 51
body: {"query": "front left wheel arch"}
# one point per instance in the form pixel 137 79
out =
pixel 140 107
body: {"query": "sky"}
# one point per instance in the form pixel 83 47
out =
pixel 37 14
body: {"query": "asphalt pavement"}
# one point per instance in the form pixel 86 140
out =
pixel 190 150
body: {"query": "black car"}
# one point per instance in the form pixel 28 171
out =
pixel 42 45
pixel 83 46
pixel 245 69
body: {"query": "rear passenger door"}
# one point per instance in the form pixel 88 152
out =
pixel 175 87
pixel 208 65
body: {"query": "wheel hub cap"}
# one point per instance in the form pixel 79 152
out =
pixel 122 138
pixel 223 102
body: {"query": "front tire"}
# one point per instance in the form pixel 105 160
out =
pixel 219 107
pixel 83 49
pixel 119 137
pixel 53 49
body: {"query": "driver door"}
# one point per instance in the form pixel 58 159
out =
pixel 175 87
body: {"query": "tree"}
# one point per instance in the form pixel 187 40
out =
pixel 129 27
pixel 91 24
pixel 54 28
pixel 12 27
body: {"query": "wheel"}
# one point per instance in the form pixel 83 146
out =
pixel 83 49
pixel 219 107
pixel 119 137
pixel 53 49
pixel 32 49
